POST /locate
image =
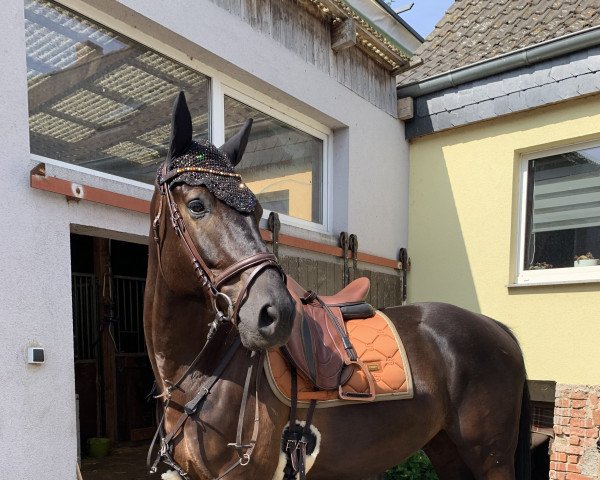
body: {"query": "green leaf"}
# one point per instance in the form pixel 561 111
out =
pixel 417 467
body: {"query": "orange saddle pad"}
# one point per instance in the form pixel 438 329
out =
pixel 378 346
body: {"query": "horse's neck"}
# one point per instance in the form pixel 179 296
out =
pixel 178 330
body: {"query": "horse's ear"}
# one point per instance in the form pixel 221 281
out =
pixel 181 128
pixel 236 145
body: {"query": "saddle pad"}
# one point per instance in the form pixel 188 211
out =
pixel 377 344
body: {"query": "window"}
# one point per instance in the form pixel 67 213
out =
pixel 99 100
pixel 283 165
pixel 561 216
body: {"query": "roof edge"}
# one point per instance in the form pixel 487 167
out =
pixel 526 56
pixel 399 19
pixel 380 20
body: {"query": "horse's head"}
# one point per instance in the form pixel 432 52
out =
pixel 215 250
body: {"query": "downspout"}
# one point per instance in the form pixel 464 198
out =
pixel 510 61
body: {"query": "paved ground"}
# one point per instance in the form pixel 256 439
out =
pixel 127 462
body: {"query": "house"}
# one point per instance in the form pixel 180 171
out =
pixel 87 91
pixel 505 194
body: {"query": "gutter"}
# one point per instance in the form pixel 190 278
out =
pixel 510 61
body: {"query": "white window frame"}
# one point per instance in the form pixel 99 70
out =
pixel 219 86
pixel 314 129
pixel 552 275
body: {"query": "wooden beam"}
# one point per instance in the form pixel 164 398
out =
pixel 107 361
pixel 343 35
pixel 406 109
pixel 76 191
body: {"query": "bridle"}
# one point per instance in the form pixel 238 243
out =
pixel 208 281
pixel 229 312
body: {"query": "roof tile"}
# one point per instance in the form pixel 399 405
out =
pixel 475 30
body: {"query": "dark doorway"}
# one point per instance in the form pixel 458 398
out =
pixel 112 371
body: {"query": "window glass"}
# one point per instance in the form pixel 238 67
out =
pixel 282 165
pixel 563 210
pixel 98 99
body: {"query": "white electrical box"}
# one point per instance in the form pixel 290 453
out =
pixel 35 355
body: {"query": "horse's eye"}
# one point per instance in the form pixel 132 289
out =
pixel 196 206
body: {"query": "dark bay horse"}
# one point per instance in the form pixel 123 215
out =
pixel 470 408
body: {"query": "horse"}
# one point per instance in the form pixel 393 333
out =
pixel 470 409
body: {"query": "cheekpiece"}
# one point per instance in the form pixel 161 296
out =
pixel 206 165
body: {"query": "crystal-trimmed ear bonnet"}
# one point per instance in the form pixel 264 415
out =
pixel 206 165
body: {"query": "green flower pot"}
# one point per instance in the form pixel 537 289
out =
pixel 98 447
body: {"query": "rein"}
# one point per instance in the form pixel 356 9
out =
pixel 211 284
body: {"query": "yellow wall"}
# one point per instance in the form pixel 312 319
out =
pixel 462 236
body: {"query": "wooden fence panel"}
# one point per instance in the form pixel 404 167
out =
pixel 325 277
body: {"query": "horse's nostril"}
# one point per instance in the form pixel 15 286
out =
pixel 268 316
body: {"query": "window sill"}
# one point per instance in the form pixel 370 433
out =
pixel 551 283
pixel 558 276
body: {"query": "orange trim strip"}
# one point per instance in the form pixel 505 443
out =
pixel 75 191
pixel 317 247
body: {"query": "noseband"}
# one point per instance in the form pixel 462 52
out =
pixel 210 282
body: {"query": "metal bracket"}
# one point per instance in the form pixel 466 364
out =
pixel 274 226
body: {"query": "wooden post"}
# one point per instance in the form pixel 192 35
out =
pixel 406 108
pixel 107 361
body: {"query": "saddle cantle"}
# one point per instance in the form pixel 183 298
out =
pixel 319 346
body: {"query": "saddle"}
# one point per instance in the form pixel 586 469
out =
pixel 319 346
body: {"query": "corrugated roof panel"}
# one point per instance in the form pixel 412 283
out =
pixel 134 152
pixel 131 82
pixel 93 108
pixel 70 132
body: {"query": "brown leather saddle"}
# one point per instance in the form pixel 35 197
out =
pixel 319 346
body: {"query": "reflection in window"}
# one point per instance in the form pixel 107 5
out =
pixel 99 100
pixel 563 210
pixel 282 165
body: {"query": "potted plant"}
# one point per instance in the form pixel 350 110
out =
pixel 541 266
pixel 585 260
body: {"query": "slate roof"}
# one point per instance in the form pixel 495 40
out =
pixel 547 82
pixel 475 30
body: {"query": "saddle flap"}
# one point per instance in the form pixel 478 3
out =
pixel 315 346
pixel 319 346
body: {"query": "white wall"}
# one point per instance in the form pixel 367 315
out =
pixel 37 409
